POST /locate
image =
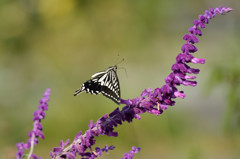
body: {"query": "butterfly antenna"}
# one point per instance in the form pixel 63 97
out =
pixel 118 56
pixel 120 61
pixel 124 70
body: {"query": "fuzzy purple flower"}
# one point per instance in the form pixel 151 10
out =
pixel 36 133
pixel 151 101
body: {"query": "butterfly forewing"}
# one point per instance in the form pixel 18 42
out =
pixel 105 82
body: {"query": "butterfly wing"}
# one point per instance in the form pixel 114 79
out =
pixel 91 86
pixel 105 82
pixel 110 87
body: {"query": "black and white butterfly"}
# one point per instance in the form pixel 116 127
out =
pixel 105 82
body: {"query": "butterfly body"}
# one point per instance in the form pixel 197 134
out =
pixel 104 82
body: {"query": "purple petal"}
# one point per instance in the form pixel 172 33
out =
pixel 181 95
pixel 198 60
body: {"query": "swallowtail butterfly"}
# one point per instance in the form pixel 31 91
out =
pixel 105 82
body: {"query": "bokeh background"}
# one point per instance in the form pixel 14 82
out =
pixel 59 44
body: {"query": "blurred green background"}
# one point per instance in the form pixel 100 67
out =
pixel 59 44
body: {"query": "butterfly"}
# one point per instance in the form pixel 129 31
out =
pixel 104 82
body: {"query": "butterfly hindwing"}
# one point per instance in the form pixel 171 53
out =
pixel 110 87
pixel 105 82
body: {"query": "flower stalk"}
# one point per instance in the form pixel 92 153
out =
pixel 36 133
pixel 151 101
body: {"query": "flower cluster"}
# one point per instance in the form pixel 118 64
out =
pixel 36 132
pixel 151 101
pixel 131 154
pixel 80 145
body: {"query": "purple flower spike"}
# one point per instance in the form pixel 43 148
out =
pixel 36 133
pixel 151 101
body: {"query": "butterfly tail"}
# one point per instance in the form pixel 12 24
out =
pixel 80 90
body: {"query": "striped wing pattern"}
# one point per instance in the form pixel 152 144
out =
pixel 105 82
